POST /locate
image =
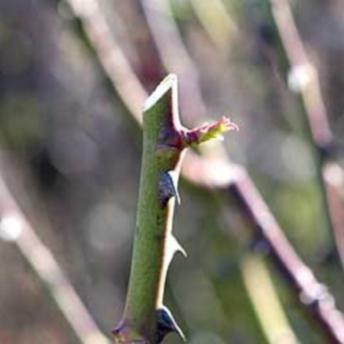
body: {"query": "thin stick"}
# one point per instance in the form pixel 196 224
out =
pixel 313 294
pixel 110 55
pixel 216 21
pixel 304 79
pixel 15 227
pixel 174 54
pixel 303 71
pixel 264 298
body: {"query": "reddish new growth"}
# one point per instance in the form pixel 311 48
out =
pixel 207 132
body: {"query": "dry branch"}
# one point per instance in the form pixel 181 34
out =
pixel 304 79
pixel 15 227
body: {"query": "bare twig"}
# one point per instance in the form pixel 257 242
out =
pixel 216 20
pixel 303 72
pixel 174 55
pixel 15 227
pixel 313 294
pixel 110 55
pixel 265 300
pixel 304 79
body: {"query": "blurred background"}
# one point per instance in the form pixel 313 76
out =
pixel 70 153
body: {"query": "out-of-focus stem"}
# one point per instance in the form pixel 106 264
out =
pixel 174 55
pixel 110 55
pixel 314 295
pixel 334 180
pixel 265 301
pixel 304 79
pixel 15 227
pixel 216 21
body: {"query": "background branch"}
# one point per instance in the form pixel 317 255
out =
pixel 15 227
pixel 304 80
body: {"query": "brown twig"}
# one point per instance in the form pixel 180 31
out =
pixel 174 55
pixel 304 79
pixel 110 55
pixel 236 180
pixel 303 72
pixel 15 227
pixel 312 293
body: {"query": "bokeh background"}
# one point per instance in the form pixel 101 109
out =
pixel 70 155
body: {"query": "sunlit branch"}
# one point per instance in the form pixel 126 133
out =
pixel 264 298
pixel 110 55
pixel 216 21
pixel 15 227
pixel 304 79
pixel 314 295
pixel 174 55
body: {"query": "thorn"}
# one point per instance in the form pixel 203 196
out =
pixel 167 324
pixel 178 247
pixel 173 246
pixel 174 177
pixel 169 186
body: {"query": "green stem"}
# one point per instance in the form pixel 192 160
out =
pixel 162 148
pixel 164 143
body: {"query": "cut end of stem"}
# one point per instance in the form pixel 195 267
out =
pixel 168 83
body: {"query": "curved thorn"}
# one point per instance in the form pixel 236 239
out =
pixel 167 324
pixel 178 247
pixel 174 178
